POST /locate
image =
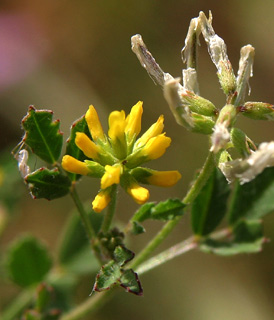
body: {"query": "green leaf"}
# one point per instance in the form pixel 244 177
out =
pixel 209 207
pixel 79 125
pixel 42 134
pixel 28 261
pixel 10 180
pixel 228 249
pixel 122 255
pixel 111 273
pixel 239 140
pixel 107 277
pixel 144 212
pixel 248 238
pixel 253 200
pixel 248 231
pixel 48 184
pixel 130 281
pixel 167 210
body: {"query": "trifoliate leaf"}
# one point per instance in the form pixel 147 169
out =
pixel 112 273
pixel 28 261
pixel 209 207
pixel 48 184
pixel 130 281
pixel 42 134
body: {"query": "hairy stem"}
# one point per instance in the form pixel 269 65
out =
pixel 167 255
pixel 178 249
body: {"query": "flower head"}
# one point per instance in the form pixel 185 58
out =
pixel 116 158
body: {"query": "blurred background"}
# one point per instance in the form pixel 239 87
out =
pixel 64 55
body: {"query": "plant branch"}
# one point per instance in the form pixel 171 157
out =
pixel 167 255
pixel 178 249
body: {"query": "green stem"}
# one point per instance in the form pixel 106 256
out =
pixel 175 251
pixel 111 209
pixel 84 216
pixel 169 226
pixel 91 234
pixel 167 255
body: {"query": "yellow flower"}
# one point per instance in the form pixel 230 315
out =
pixel 115 159
pixel 138 193
pixel 101 201
pixel 111 176
pixel 94 124
pixel 73 165
pixel 90 149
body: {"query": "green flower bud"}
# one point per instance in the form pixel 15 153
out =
pixel 190 110
pixel 198 104
pixel 226 77
pixel 258 110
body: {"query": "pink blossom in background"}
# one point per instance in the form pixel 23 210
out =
pixel 23 46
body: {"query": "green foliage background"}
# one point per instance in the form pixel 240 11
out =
pixel 65 55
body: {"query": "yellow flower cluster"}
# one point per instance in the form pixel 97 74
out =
pixel 116 158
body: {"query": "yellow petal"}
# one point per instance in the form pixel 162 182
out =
pixel 117 123
pixel 153 131
pixel 133 120
pixel 73 165
pixel 111 176
pixel 156 146
pixel 164 178
pixel 90 149
pixel 138 193
pixel 101 201
pixel 94 124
